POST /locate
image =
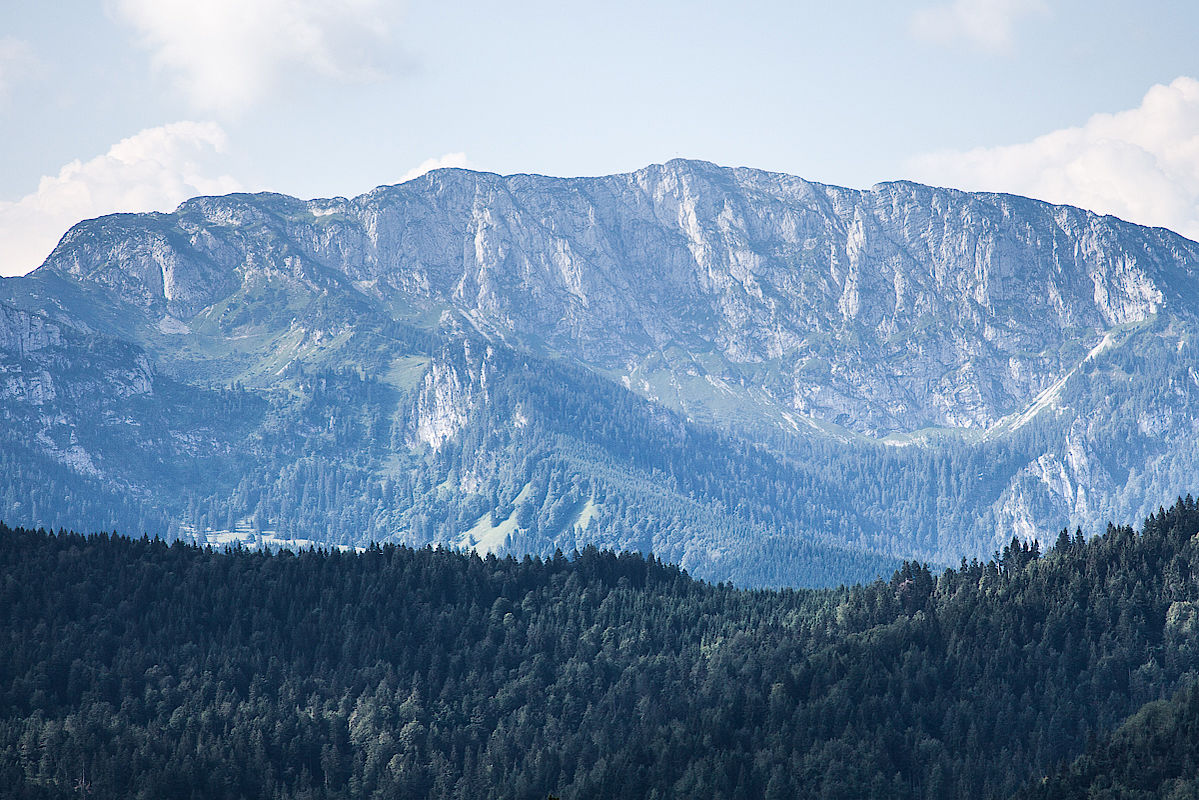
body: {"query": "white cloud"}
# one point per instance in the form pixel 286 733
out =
pixel 154 170
pixel 1141 165
pixel 429 164
pixel 988 23
pixel 228 54
pixel 16 57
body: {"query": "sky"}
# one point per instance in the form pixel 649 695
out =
pixel 136 105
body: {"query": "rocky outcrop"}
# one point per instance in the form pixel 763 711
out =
pixel 453 387
pixel 22 332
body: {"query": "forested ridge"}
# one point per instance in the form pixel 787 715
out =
pixel 145 669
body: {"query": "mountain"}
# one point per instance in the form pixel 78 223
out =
pixel 762 378
pixel 156 670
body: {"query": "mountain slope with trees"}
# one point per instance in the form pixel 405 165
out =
pixel 763 379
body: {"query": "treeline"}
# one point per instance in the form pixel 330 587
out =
pixel 145 669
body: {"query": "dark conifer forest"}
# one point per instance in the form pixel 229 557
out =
pixel 134 668
pixel 1153 756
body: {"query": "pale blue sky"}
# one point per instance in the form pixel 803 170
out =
pixel 319 98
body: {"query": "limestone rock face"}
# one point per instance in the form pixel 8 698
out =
pixel 888 310
pixel 22 332
pixel 451 389
pixel 55 381
pixel 766 307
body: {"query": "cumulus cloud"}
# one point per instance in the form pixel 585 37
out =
pixel 429 164
pixel 16 57
pixel 228 54
pixel 989 23
pixel 1141 165
pixel 153 170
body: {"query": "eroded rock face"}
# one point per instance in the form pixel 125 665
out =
pixel 55 380
pixel 892 309
pixel 22 332
pixel 454 385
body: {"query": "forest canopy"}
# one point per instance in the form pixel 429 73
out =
pixel 138 668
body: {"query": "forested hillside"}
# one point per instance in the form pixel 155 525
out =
pixel 1152 756
pixel 149 669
